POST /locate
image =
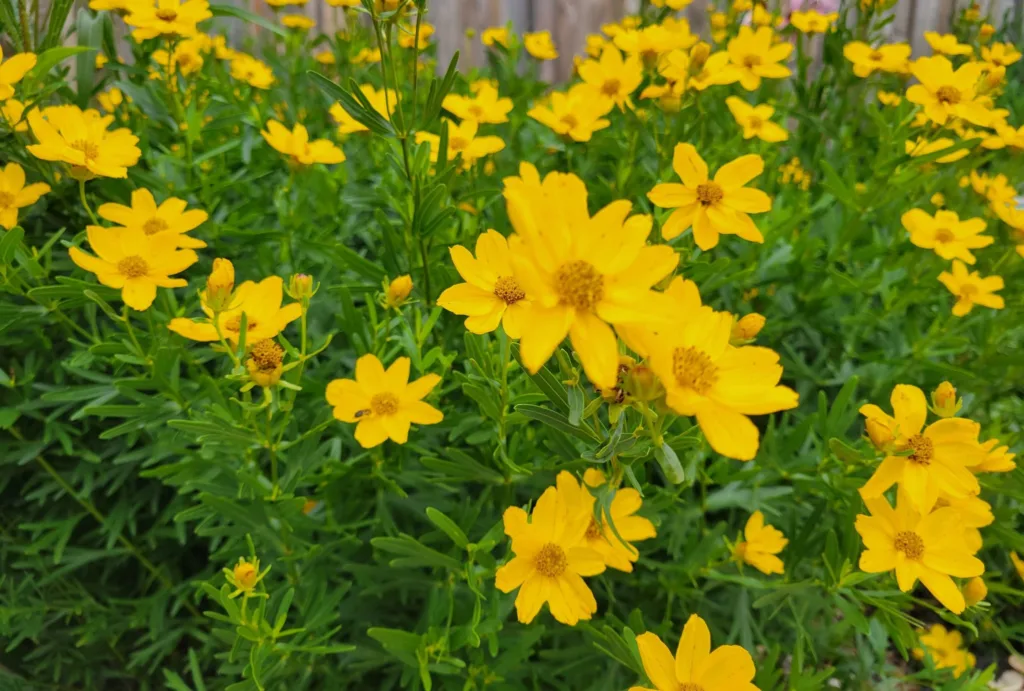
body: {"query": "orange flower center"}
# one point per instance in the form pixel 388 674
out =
pixel 458 144
pixel 154 226
pixel 693 369
pixel 384 403
pixel 570 121
pixel 90 149
pixel 690 686
pixel 910 543
pixel 709 193
pixel 593 531
pixel 6 199
pixel 507 288
pixel 579 285
pixel 950 95
pixel 235 324
pixel 166 15
pixel 751 61
pixel 754 123
pixel 133 267
pixel 476 111
pixel 551 560
pixel 611 87
pixel 944 235
pixel 267 355
pixel 921 449
pixel 876 56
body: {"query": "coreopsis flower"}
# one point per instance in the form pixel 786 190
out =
pixel 264 363
pixel 612 76
pixel 12 113
pixel 344 3
pixel 683 298
pixel 938 200
pixel 971 288
pixel 761 546
pixel 252 71
pixel 110 99
pixel 259 302
pixel 299 22
pixel 540 46
pixel 711 206
pixel 756 120
pixel 716 69
pixel 755 55
pixel 746 328
pixel 998 459
pixel 888 98
pixel 612 539
pixel 946 234
pixel 495 35
pixel 134 262
pixel 651 42
pixel 383 102
pixel 974 591
pixel 15 194
pixel 945 94
pixel 187 58
pixel 595 45
pixel 152 18
pixel 999 192
pixel 811 22
pixel 168 217
pixel 583 274
pixel 245 576
pixel 926 546
pixel 221 49
pixel 985 32
pixel 491 294
pixel 407 35
pixel 122 6
pixel 66 134
pixel 947 44
pixel 325 57
pixel 12 70
pixel 944 400
pixel 550 556
pixel 946 650
pixel 366 56
pixel 1000 54
pixel 885 58
pixel 484 107
pixel 939 454
pixel 695 667
pixel 463 142
pixel 576 113
pixel 672 4
pixel 297 147
pixel 923 147
pixel 286 3
pixel 383 404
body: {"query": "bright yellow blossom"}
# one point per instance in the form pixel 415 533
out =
pixel 299 22
pixel 496 35
pixel 886 58
pixel 945 94
pixel 651 42
pixel 297 147
pixel 398 291
pixel 463 142
pixel 946 234
pixel 252 71
pixel 1000 54
pixel 485 106
pixel 15 194
pixel 756 120
pixel 811 22
pixel 1018 564
pixel 366 56
pixel 761 546
pixel 152 18
pixel 974 591
pixel 144 215
pixel 998 459
pixel 946 649
pixel 612 535
pixel 260 303
pixel 540 45
pixel 888 98
pixel 971 288
pixel 407 35
pixel 755 55
pixel 577 113
pixel 717 69
pixel 946 44
pixel 66 134
pixel 944 400
pixel 325 57
pixel 12 112
pixel 612 76
pixel 12 70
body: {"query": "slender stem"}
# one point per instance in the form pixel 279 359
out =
pixel 416 63
pixel 126 317
pixel 85 203
pixel 424 252
pixel 273 449
pixel 223 341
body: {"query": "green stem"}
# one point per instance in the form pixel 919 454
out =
pixel 424 252
pixel 85 203
pixel 273 450
pixel 231 351
pixel 126 317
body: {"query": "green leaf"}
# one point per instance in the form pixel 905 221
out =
pixel 248 17
pixel 54 56
pixel 448 527
pixel 413 554
pixel 670 465
pixel 9 244
pixel 557 421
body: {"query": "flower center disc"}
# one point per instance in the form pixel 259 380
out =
pixel 751 60
pixel 944 235
pixel 579 285
pixel 551 560
pixel 133 266
pixel 910 543
pixel 154 226
pixel 267 354
pixel 593 530
pixel 90 149
pixel 235 324
pixel 709 193
pixel 507 288
pixel 6 199
pixel 922 449
pixel 166 15
pixel 693 369
pixel 570 121
pixel 949 95
pixel 384 404
pixel 611 87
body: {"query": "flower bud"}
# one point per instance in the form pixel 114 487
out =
pixel 219 285
pixel 642 384
pixel 944 400
pixel 880 433
pixel 264 363
pixel 974 591
pixel 938 199
pixel 246 574
pixel 398 291
pixel 746 329
pixel 986 32
pixel 300 286
pixel 699 55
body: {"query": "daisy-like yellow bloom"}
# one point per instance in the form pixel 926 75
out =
pixel 885 58
pixel 297 147
pixel 550 557
pixel 169 217
pixel 756 121
pixel 756 55
pixel 1012 216
pixel 672 4
pixel 695 667
pixel 583 274
pixel 495 35
pixel 110 99
pixel 12 70
pixel 15 194
pixel 684 298
pixel 939 453
pixel 540 46
pixel 613 544
pixel 491 294
pixel 66 134
pixel 971 288
pixel 761 546
pixel 712 206
pixel 325 57
pixel 187 58
pixel 945 94
pixel 112 5
pixel 407 35
pixel 299 22
pixel 651 42
pixel 259 302
pixel 926 546
pixel 923 147
pixel 576 113
pixel 462 141
pixel 946 234
pixel 998 459
pixel 947 44
pixel 721 385
pixel 716 69
pixel 134 262
pixel 811 22
pixel 252 71
pixel 366 56
pixel 12 113
pixel 612 76
pixel 998 191
pixel 596 43
pixel 1000 54
pixel 383 404
pixel 152 18
pixel 484 107
pixel 383 103
pixel 888 98
pixel 946 649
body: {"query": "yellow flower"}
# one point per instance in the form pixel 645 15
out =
pixel 756 120
pixel 923 147
pixel 187 58
pixel 612 538
pixel 971 289
pixel 887 58
pixel 998 459
pixel 944 400
pixel 344 3
pixel 1000 54
pixel 596 43
pixel 577 113
pixel 672 4
pixel 582 273
pixel 888 98
pixel 613 77
pixel 134 262
pixel 540 45
pixel 407 35
pixel 695 667
pixel 1018 564
pixel 299 22
pixel 930 547
pixel 12 112
pixel 947 44
pixel 946 649
pixel 484 107
pixel 712 207
pixel 986 32
pixel 811 22
pixel 122 6
pixel 939 454
pixel 14 194
pixel 219 45
pixel 999 192
pixel 550 556
pixel 245 576
pixel 938 200
pixel 651 42
pixel 763 542
pixel 496 35
pixel 152 18
pixel 325 57
pixel 398 291
pixel 12 70
pixel 259 302
pixel 383 404
pixel 145 215
pixel 974 591
pixel 253 72
pixel 110 99
pixel 746 329
pixel 946 234
pixel 464 142
pixel 491 293
pixel 298 148
pixel 755 55
pixel 366 56
pixel 383 103
pixel 945 94
pixel 716 69
pixel 66 134
pixel 760 16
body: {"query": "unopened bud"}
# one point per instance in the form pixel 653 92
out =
pixel 974 591
pixel 300 286
pixel 643 384
pixel 398 291
pixel 220 285
pixel 944 400
pixel 245 573
pixel 747 328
